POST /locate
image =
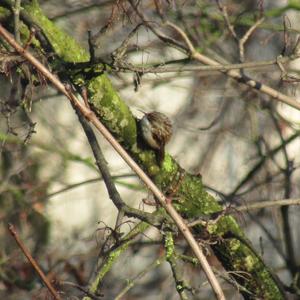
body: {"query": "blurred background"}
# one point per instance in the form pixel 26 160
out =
pixel 244 144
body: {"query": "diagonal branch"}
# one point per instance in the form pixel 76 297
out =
pixel 90 116
pixel 33 262
pixel 107 178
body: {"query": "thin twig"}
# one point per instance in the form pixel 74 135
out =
pixel 245 38
pixel 78 184
pixel 248 207
pixel 231 29
pixel 16 11
pixel 187 41
pixel 286 222
pixel 223 9
pixel 164 38
pixel 237 75
pixel 131 282
pixel 271 153
pixel 32 261
pixel 90 115
pixel 267 204
pixel 82 289
pixel 286 26
pixel 162 67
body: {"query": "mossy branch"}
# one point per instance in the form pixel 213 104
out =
pixel 186 190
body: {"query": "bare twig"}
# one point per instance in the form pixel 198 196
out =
pixel 119 53
pixel 131 282
pixel 286 222
pixel 185 38
pixel 194 54
pixel 75 185
pixel 271 153
pixel 248 207
pixel 33 262
pixel 267 204
pixel 16 11
pixel 158 33
pixel 223 10
pixel 237 75
pixel 84 290
pixel 90 115
pixel 286 26
pixel 245 38
pixel 162 68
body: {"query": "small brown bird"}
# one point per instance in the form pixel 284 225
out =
pixel 156 130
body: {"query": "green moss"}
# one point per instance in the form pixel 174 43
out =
pixel 25 35
pixel 234 245
pixel 194 201
pixel 114 255
pixel 113 112
pixel 179 287
pixel 105 268
pixel 250 262
pixel 64 45
pixel 226 224
pixel 153 170
pixel 4 13
pixel 237 254
pixel 187 192
pixel 169 245
pixel 168 165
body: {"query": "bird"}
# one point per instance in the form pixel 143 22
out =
pixel 156 130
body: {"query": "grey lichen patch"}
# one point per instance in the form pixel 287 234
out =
pixel 169 245
pixel 124 123
pixel 211 227
pixel 234 245
pixel 78 79
pixel 249 262
pixel 134 149
pixel 179 287
pixel 109 115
